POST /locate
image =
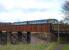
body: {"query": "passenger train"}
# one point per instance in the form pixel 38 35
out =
pixel 45 21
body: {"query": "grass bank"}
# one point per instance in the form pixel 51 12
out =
pixel 66 47
pixel 23 47
pixel 52 46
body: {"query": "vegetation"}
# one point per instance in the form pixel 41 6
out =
pixel 65 8
pixel 66 47
pixel 23 47
pixel 52 46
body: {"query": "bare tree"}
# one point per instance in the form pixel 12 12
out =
pixel 66 12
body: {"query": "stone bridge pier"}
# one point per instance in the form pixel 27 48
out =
pixel 14 37
pixel 3 37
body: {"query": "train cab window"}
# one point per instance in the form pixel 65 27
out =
pixel 53 21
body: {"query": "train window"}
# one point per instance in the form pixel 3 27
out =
pixel 32 22
pixel 38 22
pixel 42 22
pixel 20 23
pixel 53 21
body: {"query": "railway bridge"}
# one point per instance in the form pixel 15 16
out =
pixel 14 33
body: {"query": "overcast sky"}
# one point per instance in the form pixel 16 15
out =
pixel 23 10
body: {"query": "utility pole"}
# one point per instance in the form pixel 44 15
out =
pixel 58 40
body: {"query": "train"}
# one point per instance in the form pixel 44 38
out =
pixel 44 21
